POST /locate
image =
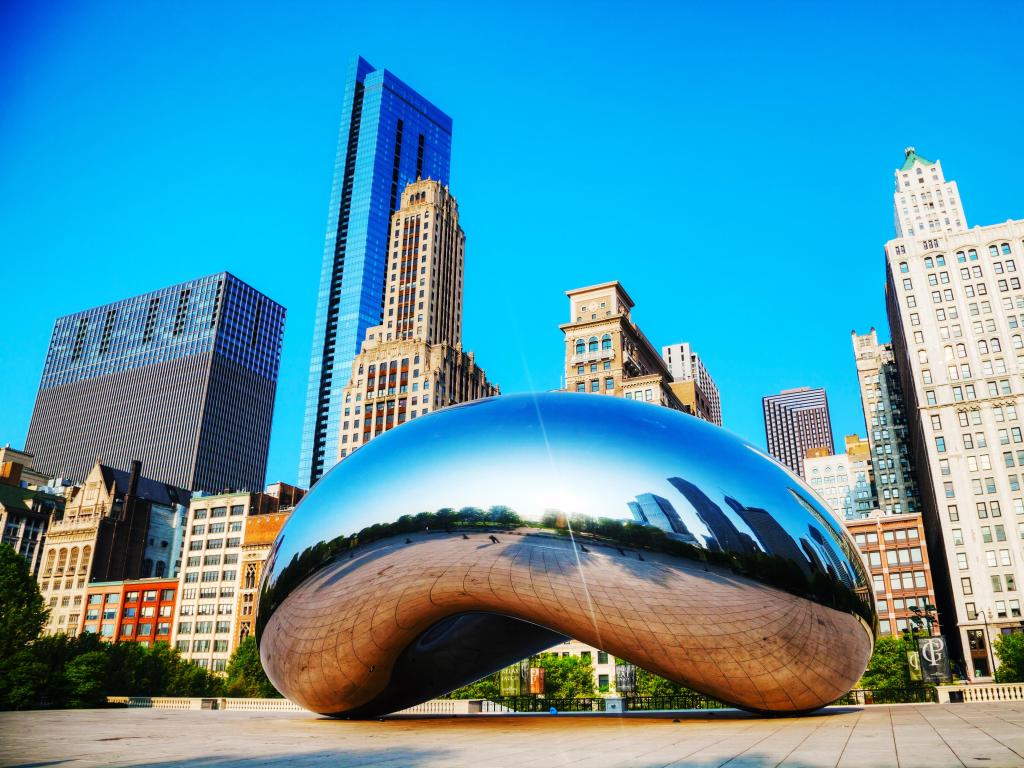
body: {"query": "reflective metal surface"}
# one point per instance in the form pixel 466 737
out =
pixel 460 542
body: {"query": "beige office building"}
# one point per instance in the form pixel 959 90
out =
pixel 606 352
pixel 413 363
pixel 956 309
pixel 842 480
pixel 692 383
pixel 212 584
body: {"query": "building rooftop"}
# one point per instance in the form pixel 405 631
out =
pixel 913 157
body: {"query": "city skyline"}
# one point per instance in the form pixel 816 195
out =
pixel 814 354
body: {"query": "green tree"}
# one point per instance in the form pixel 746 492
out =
pixel 888 666
pixel 22 616
pixel 87 679
pixel 22 613
pixel 1009 649
pixel 566 677
pixel 246 677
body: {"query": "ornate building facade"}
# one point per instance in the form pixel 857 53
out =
pixel 114 526
pixel 607 353
pixel 413 362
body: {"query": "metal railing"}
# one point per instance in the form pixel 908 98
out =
pixel 535 704
pixel 690 700
pixel 914 694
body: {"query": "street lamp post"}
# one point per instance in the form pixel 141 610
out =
pixel 988 643
pixel 924 613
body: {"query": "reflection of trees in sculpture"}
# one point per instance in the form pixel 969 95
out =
pixel 789 570
pixel 322 554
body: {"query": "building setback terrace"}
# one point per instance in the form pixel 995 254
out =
pixel 933 735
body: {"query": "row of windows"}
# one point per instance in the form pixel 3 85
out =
pixel 146 612
pixel 197 544
pixel 996 580
pixel 899 581
pixel 894 557
pixel 204 627
pixel 970 254
pixel 590 345
pixel 595 385
pixel 131 597
pixel 192 577
pixel 128 630
pixel 214 512
pixel 207 592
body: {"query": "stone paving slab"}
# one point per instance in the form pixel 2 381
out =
pixel 932 736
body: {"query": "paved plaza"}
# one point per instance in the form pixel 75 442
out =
pixel 906 735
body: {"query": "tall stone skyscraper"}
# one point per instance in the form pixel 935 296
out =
pixel 390 136
pixel 796 420
pixel 956 311
pixel 885 418
pixel 925 203
pixel 412 363
pixel 182 379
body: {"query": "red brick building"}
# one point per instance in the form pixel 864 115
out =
pixel 139 610
pixel 895 554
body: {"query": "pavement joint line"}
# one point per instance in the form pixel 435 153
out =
pixel 949 746
pixel 996 739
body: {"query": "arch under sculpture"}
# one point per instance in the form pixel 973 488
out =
pixel 471 538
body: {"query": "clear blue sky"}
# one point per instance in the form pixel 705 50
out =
pixel 730 164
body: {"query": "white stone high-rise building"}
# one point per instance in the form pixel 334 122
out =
pixel 691 381
pixel 956 310
pixel 925 203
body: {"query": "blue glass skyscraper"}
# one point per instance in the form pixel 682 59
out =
pixel 390 136
pixel 182 379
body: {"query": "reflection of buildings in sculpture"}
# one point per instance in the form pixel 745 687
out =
pixel 412 363
pixel 651 509
pixel 834 564
pixel 817 563
pixel 115 526
pixel 726 536
pixel 772 536
pixel 213 579
pixel 838 566
pixel 834 533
